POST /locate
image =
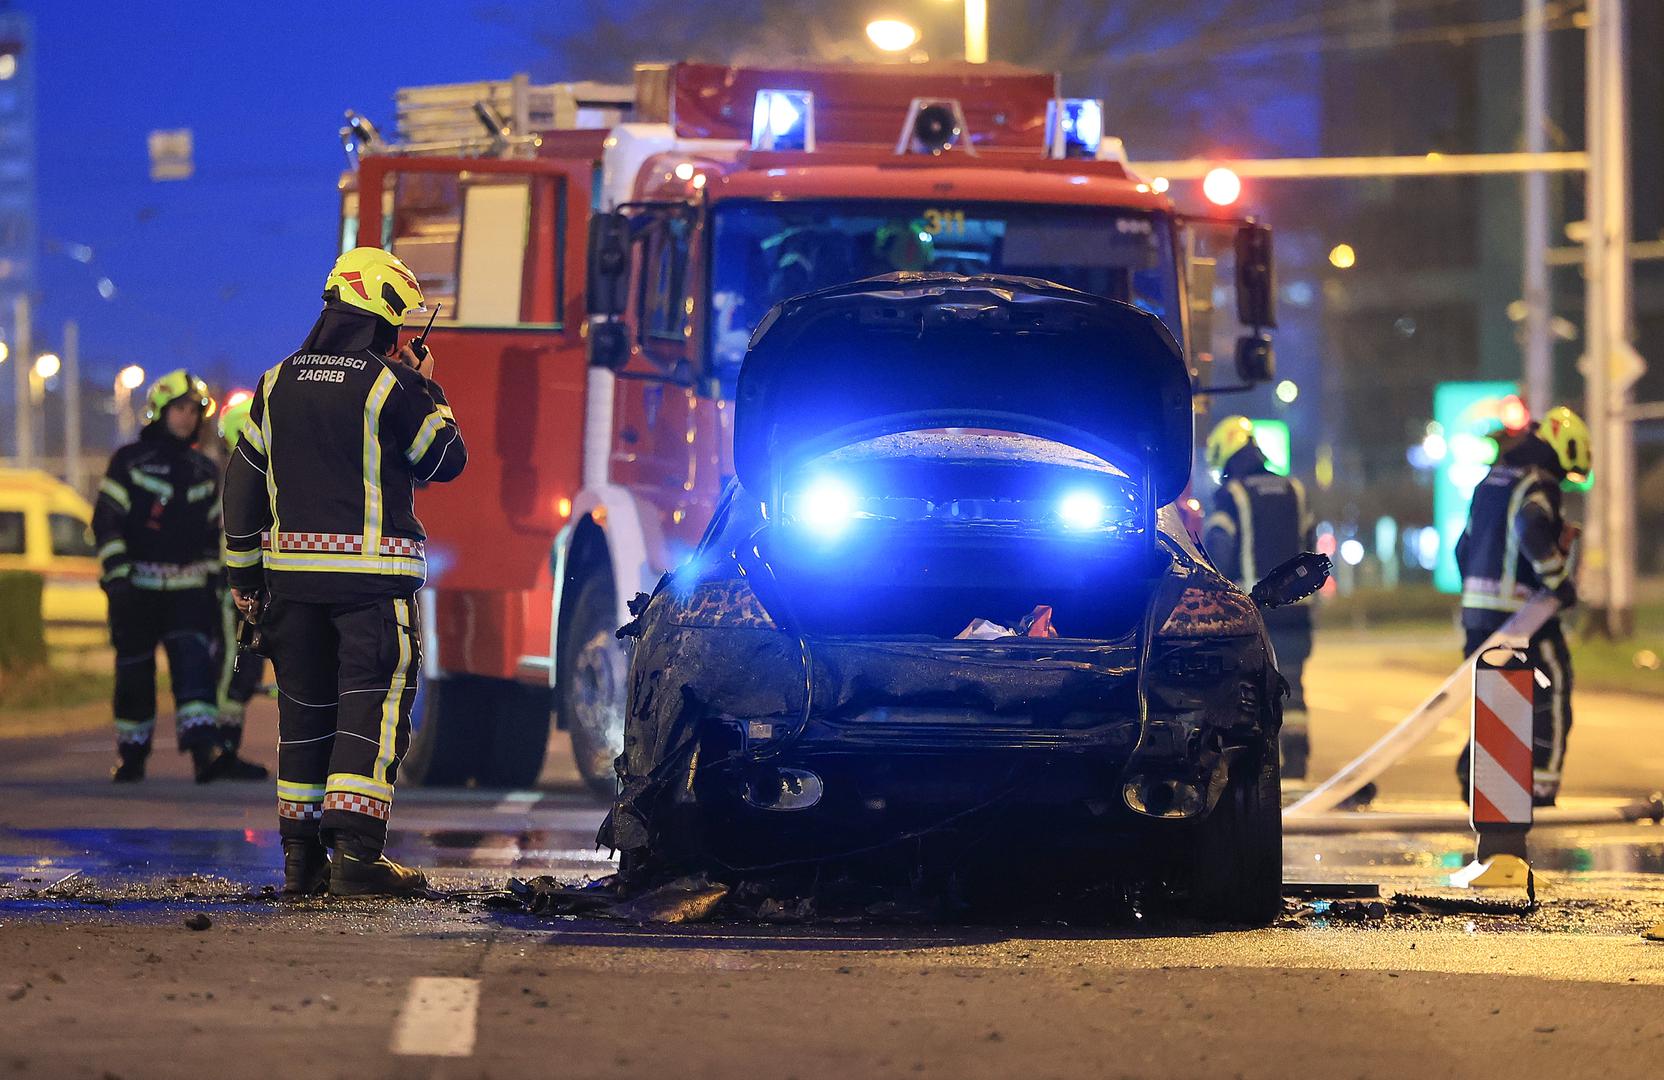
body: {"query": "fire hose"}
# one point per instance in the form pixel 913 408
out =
pixel 1414 729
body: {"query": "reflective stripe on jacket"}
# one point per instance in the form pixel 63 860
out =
pixel 1511 546
pixel 320 492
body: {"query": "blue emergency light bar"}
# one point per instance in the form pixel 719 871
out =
pixel 1075 128
pixel 783 120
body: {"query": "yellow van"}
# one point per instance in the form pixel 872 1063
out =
pixel 46 527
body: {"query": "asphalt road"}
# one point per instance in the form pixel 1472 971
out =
pixel 100 976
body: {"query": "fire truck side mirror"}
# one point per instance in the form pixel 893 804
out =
pixel 609 344
pixel 1256 278
pixel 609 264
pixel 1256 361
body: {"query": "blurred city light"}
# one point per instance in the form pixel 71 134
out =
pixel 1222 186
pixel 8 65
pixel 1287 391
pixel 1273 440
pixel 47 365
pixel 1513 413
pixel 1342 257
pixel 1159 184
pixel 131 377
pixel 1351 552
pixel 5 352
pixel 892 35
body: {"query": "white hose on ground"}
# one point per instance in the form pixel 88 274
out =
pixel 1415 728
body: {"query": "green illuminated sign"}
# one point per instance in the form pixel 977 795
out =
pixel 1464 414
pixel 1272 436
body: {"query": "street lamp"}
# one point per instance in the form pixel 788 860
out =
pixel 47 365
pixel 1222 186
pixel 128 379
pixel 892 35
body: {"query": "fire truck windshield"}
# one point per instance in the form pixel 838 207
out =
pixel 763 253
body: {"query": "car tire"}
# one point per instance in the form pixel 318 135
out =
pixel 519 727
pixel 592 683
pixel 1233 868
pixel 443 747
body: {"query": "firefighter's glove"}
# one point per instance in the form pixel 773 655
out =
pixel 117 591
pixel 1566 593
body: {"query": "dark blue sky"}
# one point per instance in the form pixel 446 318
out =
pixel 226 267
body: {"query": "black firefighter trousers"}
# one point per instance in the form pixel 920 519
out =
pixel 346 680
pixel 184 623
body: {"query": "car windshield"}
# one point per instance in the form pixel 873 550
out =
pixel 763 253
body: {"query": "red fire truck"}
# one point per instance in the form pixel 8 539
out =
pixel 603 255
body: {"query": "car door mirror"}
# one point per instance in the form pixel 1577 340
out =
pixel 1256 278
pixel 1293 581
pixel 609 264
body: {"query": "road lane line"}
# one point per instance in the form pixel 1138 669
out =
pixel 518 802
pixel 438 1018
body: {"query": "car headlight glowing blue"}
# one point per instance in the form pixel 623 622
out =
pixel 827 506
pixel 1081 510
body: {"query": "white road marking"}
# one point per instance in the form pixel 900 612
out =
pixel 438 1018
pixel 518 802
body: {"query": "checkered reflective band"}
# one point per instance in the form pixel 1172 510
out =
pixel 134 732
pixel 354 803
pixel 195 715
pixel 342 543
pixel 300 811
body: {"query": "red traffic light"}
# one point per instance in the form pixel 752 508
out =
pixel 1513 414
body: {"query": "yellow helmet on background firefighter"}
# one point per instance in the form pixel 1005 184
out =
pixel 170 388
pixel 375 281
pixel 234 416
pixel 1569 435
pixel 1228 437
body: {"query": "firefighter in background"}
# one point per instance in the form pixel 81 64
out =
pixel 324 549
pixel 240 676
pixel 1259 521
pixel 157 524
pixel 1518 543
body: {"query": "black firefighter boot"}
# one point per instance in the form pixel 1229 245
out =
pixel 212 761
pixel 305 866
pixel 129 768
pixel 360 872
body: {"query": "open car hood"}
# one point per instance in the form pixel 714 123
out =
pixel 913 351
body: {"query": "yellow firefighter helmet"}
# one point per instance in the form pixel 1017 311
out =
pixel 235 415
pixel 1569 435
pixel 377 282
pixel 173 386
pixel 1228 436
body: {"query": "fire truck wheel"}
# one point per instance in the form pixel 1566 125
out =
pixel 443 752
pixel 520 721
pixel 592 682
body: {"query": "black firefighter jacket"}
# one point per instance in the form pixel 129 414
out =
pixel 320 493
pixel 157 520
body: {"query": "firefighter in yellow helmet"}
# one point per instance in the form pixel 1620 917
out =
pixel 157 524
pixel 324 549
pixel 1259 520
pixel 1517 544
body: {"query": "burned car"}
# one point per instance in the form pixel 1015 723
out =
pixel 947 608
